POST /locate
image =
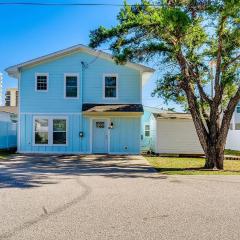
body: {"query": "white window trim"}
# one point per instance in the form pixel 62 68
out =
pixel 50 131
pixel 110 75
pixel 147 130
pixel 41 74
pixel 71 75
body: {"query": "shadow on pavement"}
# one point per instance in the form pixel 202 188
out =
pixel 26 171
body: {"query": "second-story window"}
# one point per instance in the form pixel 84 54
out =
pixel 238 108
pixel 71 85
pixel 41 82
pixel 110 86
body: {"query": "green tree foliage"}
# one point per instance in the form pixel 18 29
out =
pixel 201 40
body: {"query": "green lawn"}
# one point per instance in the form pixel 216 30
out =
pixel 232 152
pixel 191 166
pixel 5 155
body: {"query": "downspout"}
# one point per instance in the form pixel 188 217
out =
pixel 81 102
pixel 19 114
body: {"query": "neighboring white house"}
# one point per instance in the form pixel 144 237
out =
pixel 171 132
pixel 233 140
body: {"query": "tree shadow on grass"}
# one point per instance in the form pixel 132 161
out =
pixel 26 171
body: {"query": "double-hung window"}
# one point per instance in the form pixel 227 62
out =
pixel 50 131
pixel 147 130
pixel 59 131
pixel 110 86
pixel 41 129
pixel 71 83
pixel 41 82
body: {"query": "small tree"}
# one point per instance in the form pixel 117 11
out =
pixel 201 39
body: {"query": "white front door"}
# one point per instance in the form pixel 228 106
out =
pixel 100 136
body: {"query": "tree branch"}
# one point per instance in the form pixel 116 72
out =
pixel 219 55
pixel 229 63
pixel 192 102
pixel 202 93
pixel 195 75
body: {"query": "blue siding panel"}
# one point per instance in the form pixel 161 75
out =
pixel 129 84
pixel 124 137
pixel 8 135
pixel 148 143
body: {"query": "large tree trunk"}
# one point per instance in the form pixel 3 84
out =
pixel 212 128
pixel 214 157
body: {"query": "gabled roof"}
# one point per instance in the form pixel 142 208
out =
pixel 175 115
pixel 14 70
pixel 155 109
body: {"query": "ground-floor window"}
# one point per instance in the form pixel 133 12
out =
pixel 50 130
pixel 59 131
pixel 41 131
pixel 147 130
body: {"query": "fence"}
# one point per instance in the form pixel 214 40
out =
pixel 233 140
pixel 8 135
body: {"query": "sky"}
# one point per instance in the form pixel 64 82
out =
pixel 27 32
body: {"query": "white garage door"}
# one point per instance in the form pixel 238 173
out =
pixel 177 136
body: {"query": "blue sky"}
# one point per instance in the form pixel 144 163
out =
pixel 28 32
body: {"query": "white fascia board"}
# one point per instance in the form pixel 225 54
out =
pixel 13 71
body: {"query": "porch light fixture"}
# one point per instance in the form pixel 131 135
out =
pixel 111 125
pixel 80 134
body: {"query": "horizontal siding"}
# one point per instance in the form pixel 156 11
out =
pixel 129 84
pixel 177 136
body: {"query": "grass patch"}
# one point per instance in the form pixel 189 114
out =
pixel 191 166
pixel 5 154
pixel 232 152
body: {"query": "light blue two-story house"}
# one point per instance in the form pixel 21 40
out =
pixel 78 100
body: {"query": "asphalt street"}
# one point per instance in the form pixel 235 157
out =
pixel 95 197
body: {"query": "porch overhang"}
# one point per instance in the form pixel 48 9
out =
pixel 90 109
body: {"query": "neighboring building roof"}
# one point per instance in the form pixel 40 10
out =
pixel 14 70
pixel 173 115
pixel 165 114
pixel 156 110
pixel 89 107
pixel 9 109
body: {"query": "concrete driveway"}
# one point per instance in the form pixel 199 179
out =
pixel 98 197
